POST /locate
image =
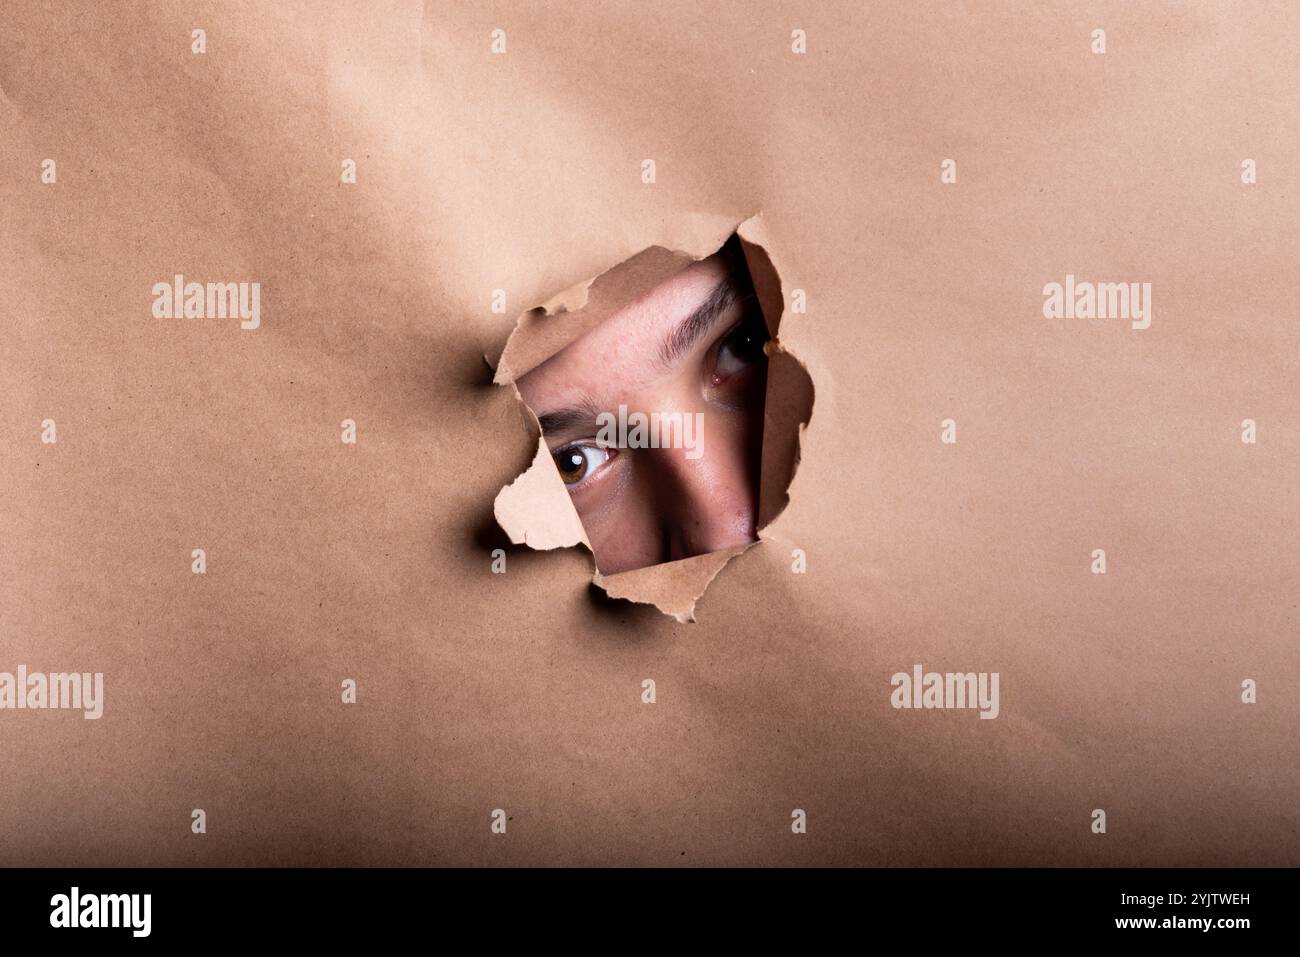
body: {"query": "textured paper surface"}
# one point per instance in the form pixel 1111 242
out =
pixel 522 171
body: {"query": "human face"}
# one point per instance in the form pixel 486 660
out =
pixel 693 346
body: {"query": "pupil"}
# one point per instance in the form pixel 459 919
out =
pixel 571 464
pixel 745 344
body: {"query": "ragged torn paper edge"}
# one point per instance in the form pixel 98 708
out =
pixel 525 508
pixel 673 587
pixel 536 510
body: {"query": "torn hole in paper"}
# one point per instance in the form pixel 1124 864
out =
pixel 668 417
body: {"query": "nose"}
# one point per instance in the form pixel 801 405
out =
pixel 705 503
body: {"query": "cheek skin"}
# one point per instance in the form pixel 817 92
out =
pixel 662 506
pixel 624 535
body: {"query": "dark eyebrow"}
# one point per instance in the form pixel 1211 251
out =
pixel 675 344
pixel 560 419
pixel 690 329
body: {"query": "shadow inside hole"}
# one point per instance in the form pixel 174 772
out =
pixel 623 612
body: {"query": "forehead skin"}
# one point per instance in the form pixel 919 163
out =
pixel 620 356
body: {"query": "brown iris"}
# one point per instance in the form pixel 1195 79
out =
pixel 572 465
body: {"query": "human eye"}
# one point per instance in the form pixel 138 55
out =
pixel 739 348
pixel 578 463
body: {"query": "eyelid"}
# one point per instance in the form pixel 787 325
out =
pixel 716 348
pixel 725 335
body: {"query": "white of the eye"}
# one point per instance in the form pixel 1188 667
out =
pixel 729 362
pixel 588 453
